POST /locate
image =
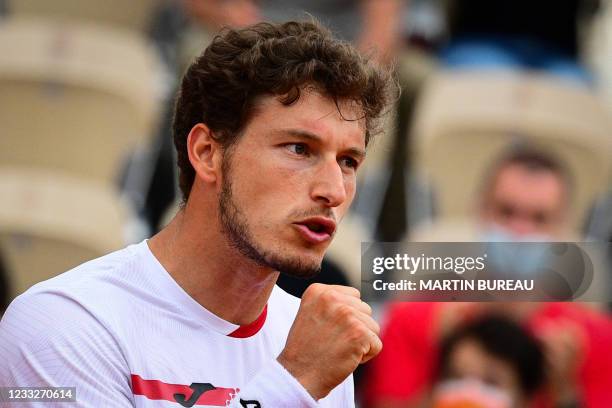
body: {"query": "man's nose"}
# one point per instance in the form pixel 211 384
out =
pixel 328 184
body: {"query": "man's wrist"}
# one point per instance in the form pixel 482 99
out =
pixel 309 382
pixel 274 387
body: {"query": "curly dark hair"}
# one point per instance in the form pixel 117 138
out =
pixel 221 87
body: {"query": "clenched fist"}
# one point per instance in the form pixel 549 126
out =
pixel 332 334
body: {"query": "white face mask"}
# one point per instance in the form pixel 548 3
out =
pixel 469 393
pixel 519 259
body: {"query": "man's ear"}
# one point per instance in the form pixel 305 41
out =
pixel 205 153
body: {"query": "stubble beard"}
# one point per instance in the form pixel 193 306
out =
pixel 236 229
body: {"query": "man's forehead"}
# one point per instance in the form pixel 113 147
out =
pixel 518 173
pixel 315 113
pixel 344 108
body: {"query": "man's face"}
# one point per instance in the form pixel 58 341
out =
pixel 525 201
pixel 289 180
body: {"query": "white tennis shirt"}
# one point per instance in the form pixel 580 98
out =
pixel 125 334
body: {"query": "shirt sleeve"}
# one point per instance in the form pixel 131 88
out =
pixel 50 340
pixel 273 386
pixel 346 394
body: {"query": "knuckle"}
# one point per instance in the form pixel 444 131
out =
pixel 317 286
pixel 312 290
pixel 345 312
pixel 355 339
pixel 377 345
pixel 355 292
pixel 329 296
pixel 358 331
pixel 375 327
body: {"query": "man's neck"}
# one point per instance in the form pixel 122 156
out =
pixel 213 273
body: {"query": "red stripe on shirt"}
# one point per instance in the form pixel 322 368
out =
pixel 252 328
pixel 159 390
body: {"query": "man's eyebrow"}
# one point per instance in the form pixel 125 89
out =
pixel 304 134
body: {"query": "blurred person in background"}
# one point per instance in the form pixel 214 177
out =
pixel 490 362
pixel 506 35
pixel 526 197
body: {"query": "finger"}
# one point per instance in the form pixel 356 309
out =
pixel 376 346
pixel 346 290
pixel 357 303
pixel 368 322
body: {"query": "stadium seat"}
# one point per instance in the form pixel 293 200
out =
pixel 133 14
pixel 466 119
pixel 74 97
pixel 51 222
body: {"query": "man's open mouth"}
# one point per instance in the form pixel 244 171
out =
pixel 319 224
pixel 317 229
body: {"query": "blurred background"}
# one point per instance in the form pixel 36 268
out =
pixel 503 132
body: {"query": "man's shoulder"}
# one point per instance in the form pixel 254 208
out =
pixel 84 290
pixel 58 329
pixel 90 279
pixel 73 309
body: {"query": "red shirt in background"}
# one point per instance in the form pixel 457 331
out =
pixel 405 370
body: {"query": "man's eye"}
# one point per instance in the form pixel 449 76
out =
pixel 298 148
pixel 349 162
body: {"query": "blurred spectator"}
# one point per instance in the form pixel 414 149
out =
pixel 492 359
pixel 511 35
pixel 576 343
pixel 525 197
